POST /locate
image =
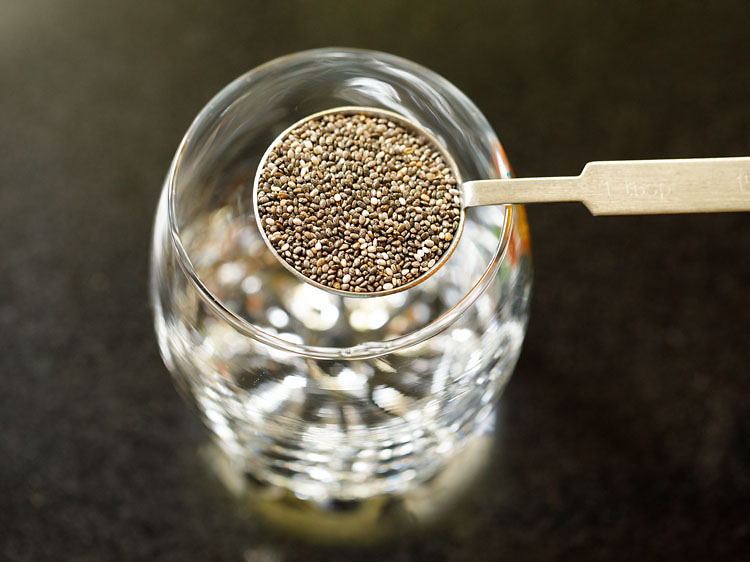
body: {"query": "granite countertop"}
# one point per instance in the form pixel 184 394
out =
pixel 625 431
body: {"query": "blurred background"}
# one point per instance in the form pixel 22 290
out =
pixel 625 431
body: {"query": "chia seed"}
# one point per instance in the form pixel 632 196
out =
pixel 353 200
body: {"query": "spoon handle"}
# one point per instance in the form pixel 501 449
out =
pixel 631 187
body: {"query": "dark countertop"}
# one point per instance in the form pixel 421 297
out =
pixel 625 432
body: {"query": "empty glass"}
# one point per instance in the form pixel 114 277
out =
pixel 333 399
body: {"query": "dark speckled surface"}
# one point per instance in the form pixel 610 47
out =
pixel 625 432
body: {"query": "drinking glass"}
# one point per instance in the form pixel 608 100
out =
pixel 331 400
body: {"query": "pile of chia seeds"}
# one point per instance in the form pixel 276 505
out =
pixel 356 202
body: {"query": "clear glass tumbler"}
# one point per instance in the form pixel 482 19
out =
pixel 328 398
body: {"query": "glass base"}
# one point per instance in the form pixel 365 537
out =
pixel 362 521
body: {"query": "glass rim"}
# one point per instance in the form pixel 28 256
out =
pixel 363 350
